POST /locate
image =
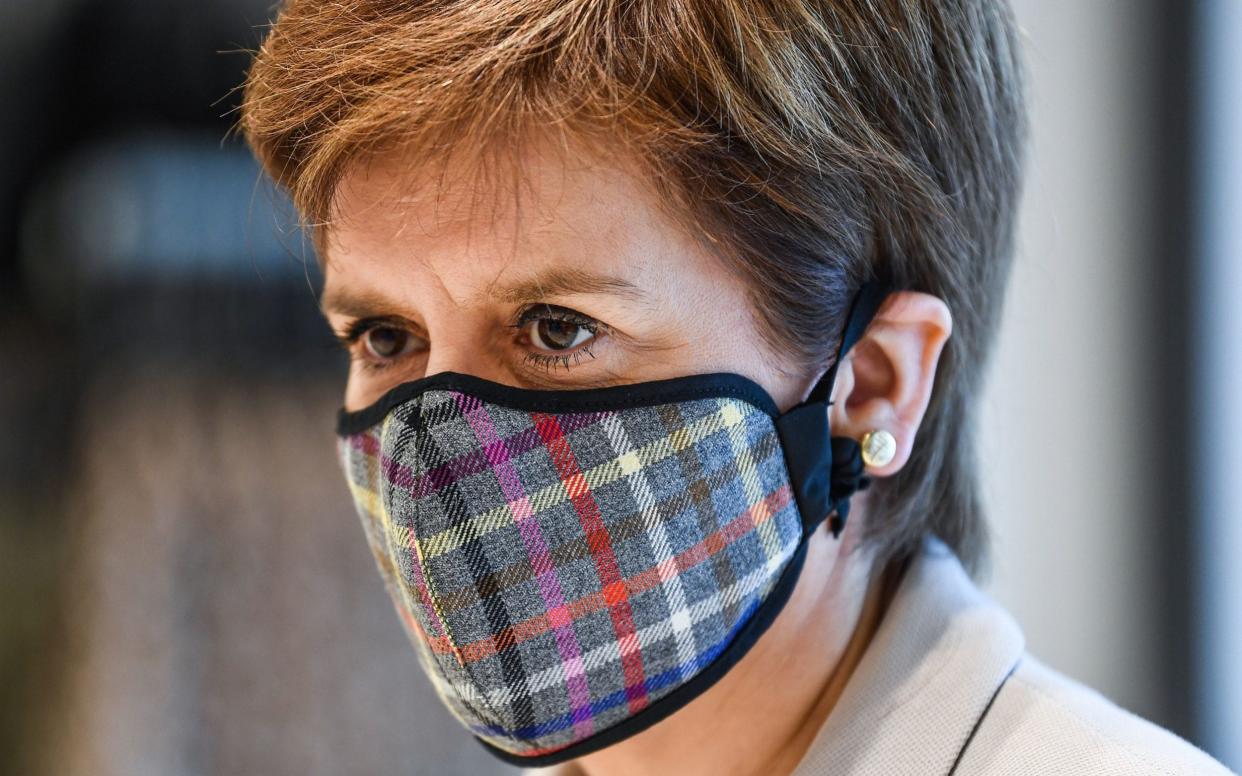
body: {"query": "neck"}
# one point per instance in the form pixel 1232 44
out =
pixel 761 717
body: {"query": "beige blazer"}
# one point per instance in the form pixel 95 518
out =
pixel 946 687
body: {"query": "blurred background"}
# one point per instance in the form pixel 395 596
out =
pixel 184 588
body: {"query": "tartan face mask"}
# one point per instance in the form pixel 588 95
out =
pixel 573 566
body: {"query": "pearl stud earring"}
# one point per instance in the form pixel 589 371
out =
pixel 878 447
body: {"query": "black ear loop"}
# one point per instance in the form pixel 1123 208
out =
pixel 826 470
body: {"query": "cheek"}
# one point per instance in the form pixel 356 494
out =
pixel 364 385
pixel 724 333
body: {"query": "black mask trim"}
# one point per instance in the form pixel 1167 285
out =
pixel 613 397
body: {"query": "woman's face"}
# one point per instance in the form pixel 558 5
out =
pixel 578 281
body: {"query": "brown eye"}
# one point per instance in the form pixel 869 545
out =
pixel 557 334
pixel 386 342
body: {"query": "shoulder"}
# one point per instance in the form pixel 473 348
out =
pixel 1043 722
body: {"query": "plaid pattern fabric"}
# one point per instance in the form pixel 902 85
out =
pixel 560 572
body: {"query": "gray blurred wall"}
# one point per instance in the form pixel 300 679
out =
pixel 1086 440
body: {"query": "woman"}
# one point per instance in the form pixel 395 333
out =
pixel 667 322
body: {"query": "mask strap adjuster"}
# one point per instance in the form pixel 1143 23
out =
pixel 825 470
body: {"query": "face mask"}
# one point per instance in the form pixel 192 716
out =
pixel 573 566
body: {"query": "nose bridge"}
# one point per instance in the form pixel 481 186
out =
pixel 450 358
pixel 461 340
pixel 461 317
pixel 462 353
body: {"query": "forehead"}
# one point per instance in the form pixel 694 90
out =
pixel 471 221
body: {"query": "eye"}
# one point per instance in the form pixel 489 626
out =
pixel 375 343
pixel 555 329
pixel 554 334
pixel 386 342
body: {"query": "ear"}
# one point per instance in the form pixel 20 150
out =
pixel 885 381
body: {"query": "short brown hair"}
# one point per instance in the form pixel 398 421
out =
pixel 810 143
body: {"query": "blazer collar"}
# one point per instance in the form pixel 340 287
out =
pixel 924 683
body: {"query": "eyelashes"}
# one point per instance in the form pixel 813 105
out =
pixel 551 337
pixel 548 361
pixel 356 329
pixel 563 321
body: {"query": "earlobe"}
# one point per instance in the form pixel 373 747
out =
pixel 886 381
pixel 878 447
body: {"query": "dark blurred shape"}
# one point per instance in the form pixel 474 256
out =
pixel 222 615
pixel 75 70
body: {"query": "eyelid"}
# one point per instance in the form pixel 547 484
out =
pixel 544 310
pixel 353 330
pixel 350 334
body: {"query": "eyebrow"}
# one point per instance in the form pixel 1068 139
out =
pixel 559 281
pixel 566 281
